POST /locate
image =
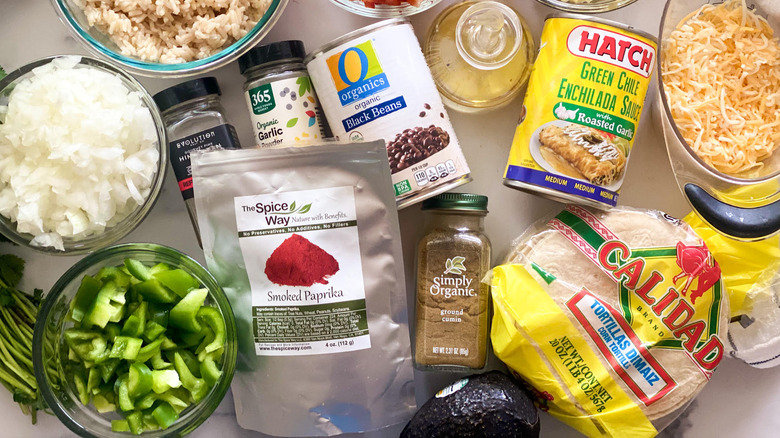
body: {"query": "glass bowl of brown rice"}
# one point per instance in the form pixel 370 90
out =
pixel 169 38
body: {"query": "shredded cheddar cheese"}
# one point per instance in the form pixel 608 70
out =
pixel 721 74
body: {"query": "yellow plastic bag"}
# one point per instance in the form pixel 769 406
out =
pixel 744 265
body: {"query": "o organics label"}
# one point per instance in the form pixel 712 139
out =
pixel 302 255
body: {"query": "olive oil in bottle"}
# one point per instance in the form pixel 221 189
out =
pixel 480 54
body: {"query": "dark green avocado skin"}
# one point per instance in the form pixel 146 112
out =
pixel 491 405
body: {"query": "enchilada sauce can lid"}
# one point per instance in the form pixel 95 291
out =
pixel 581 111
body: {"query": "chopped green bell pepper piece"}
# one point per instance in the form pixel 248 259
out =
pixel 154 291
pixel 112 273
pixel 81 389
pixel 126 347
pixel 165 415
pixel 152 330
pixel 189 359
pixel 85 295
pixel 210 372
pixel 120 426
pixel 177 280
pixel 159 363
pixel 101 309
pixel 139 380
pixel 136 422
pixel 197 387
pixel 111 331
pixel 159 268
pixel 138 269
pixel 102 404
pixel 89 346
pixel 123 393
pixel 93 379
pixel 213 319
pixel 167 344
pixel 135 323
pixel 189 340
pixel 183 315
pixel 149 422
pixel 163 380
pixel 118 312
pixel 107 369
pixel 148 351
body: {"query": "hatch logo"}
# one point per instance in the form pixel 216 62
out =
pixel 612 48
pixel 356 72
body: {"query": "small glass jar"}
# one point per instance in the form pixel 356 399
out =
pixel 452 303
pixel 282 104
pixel 480 54
pixel 194 120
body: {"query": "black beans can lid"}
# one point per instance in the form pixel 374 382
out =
pixel 456 201
pixel 292 49
pixel 185 91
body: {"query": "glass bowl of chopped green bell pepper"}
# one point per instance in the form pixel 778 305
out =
pixel 135 339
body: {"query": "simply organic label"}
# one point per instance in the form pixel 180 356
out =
pixel 285 112
pixel 302 255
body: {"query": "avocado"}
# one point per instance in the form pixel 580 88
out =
pixel 490 405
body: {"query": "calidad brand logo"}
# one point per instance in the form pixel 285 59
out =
pixel 452 282
pixel 612 48
pixel 356 72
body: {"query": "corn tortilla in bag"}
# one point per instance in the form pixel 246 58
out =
pixel 615 318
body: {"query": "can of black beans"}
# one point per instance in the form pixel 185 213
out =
pixel 374 84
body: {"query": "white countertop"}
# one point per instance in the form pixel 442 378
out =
pixel 739 400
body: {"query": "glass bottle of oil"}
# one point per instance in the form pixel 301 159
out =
pixel 480 54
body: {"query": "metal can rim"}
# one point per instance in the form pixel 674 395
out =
pixel 600 20
pixel 352 35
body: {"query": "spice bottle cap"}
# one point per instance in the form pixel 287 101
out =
pixel 185 91
pixel 292 49
pixel 456 201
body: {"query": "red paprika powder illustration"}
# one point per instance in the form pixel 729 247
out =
pixel 298 262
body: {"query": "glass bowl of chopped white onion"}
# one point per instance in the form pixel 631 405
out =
pixel 386 8
pixel 586 6
pixel 169 38
pixel 83 154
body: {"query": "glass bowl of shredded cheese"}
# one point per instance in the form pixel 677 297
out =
pixel 82 154
pixel 586 6
pixel 719 64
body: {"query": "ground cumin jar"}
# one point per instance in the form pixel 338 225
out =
pixel 452 303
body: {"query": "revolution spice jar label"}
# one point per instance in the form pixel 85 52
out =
pixel 309 298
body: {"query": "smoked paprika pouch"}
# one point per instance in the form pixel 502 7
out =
pixel 306 243
pixel 617 319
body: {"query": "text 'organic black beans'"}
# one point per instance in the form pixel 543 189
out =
pixel 415 145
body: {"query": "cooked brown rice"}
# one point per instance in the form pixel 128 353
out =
pixel 173 31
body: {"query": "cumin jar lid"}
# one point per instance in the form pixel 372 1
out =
pixel 457 201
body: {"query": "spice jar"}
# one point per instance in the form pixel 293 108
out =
pixel 194 120
pixel 452 303
pixel 282 104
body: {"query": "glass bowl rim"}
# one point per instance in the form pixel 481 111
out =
pixel 134 218
pixel 599 6
pixel 205 407
pixel 384 11
pixel 176 70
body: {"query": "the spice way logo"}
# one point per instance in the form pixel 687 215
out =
pixel 277 213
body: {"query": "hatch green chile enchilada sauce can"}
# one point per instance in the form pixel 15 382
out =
pixel 374 84
pixel 581 110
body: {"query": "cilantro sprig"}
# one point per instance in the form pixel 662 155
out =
pixel 18 311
